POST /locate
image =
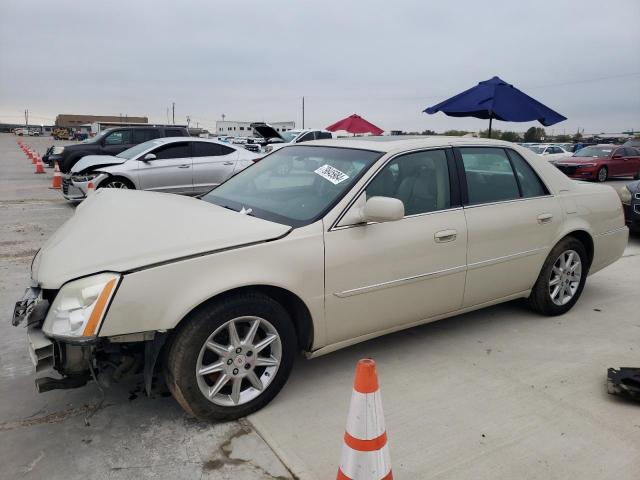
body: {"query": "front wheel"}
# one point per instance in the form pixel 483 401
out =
pixel 117 182
pixel 602 174
pixel 232 357
pixel 561 279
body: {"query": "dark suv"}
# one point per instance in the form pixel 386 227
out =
pixel 111 142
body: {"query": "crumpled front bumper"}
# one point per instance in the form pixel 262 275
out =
pixel 32 309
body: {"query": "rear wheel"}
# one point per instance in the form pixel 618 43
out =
pixel 602 174
pixel 232 357
pixel 561 279
pixel 117 182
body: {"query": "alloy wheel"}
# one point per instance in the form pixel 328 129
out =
pixel 238 361
pixel 116 184
pixel 565 277
pixel 602 174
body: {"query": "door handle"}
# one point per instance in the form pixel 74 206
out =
pixel 184 166
pixel 445 236
pixel 228 163
pixel 545 218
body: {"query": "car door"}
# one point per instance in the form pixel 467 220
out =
pixel 383 276
pixel 116 142
pixel 170 171
pixel 212 164
pixel 512 221
pixel 631 162
pixel 616 162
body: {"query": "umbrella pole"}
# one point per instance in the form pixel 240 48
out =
pixel 490 120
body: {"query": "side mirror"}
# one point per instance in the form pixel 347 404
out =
pixel 148 157
pixel 383 209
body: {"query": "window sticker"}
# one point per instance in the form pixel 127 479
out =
pixel 332 174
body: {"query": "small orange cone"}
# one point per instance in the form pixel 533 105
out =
pixel 90 188
pixel 365 454
pixel 56 181
pixel 39 166
pixel 32 156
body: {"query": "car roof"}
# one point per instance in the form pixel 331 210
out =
pixel 393 143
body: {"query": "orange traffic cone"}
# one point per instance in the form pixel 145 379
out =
pixel 365 454
pixel 90 188
pixel 32 156
pixel 56 181
pixel 39 166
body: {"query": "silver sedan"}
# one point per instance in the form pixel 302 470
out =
pixel 173 165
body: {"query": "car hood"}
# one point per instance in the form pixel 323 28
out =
pixel 578 160
pixel 94 161
pixel 266 131
pixel 122 230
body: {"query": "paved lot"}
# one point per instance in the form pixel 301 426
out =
pixel 496 394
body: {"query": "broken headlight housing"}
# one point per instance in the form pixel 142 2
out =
pixel 625 195
pixel 80 306
pixel 84 177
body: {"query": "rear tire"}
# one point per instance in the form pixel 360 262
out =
pixel 259 373
pixel 556 274
pixel 602 174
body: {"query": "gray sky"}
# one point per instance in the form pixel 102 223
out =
pixel 253 60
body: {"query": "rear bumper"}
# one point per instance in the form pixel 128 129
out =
pixel 609 247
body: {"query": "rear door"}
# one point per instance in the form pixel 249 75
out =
pixel 170 171
pixel 512 221
pixel 212 164
pixel 141 135
pixel 632 161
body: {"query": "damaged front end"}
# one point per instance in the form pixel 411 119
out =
pixel 62 337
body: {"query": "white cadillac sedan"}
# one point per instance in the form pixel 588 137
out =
pixel 187 166
pixel 358 239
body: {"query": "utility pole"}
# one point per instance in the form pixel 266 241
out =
pixel 302 112
pixel 173 112
pixel 26 118
pixel 167 115
pixel 188 121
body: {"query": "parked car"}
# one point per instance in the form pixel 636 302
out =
pixel 111 142
pixel 62 134
pixel 599 162
pixel 549 152
pixel 175 165
pixel 358 239
pixel 633 143
pixel 23 132
pixel 274 140
pixel 630 197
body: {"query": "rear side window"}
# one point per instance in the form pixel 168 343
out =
pixel 175 150
pixel 306 137
pixel 206 149
pixel 324 135
pixel 174 132
pixel 144 134
pixel 489 175
pixel 530 183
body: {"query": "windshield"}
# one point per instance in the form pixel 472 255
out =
pixel 138 149
pixel 289 135
pixel 594 152
pixel 295 185
pixel 536 149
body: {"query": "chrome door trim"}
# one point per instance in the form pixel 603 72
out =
pixel 499 202
pixel 344 227
pixel 506 258
pixel 400 281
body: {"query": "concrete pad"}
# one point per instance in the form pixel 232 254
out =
pixel 498 393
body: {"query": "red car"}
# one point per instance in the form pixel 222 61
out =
pixel 599 162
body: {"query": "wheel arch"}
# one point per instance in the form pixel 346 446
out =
pixel 112 175
pixel 292 303
pixel 585 238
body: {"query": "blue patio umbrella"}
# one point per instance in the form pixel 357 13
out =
pixel 497 99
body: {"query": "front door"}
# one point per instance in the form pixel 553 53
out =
pixel 116 142
pixel 382 276
pixel 511 220
pixel 212 164
pixel 170 171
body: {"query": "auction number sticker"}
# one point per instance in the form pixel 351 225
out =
pixel 332 174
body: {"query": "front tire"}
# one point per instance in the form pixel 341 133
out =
pixel 117 182
pixel 231 358
pixel 561 279
pixel 602 174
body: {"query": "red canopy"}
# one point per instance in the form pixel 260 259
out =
pixel 355 124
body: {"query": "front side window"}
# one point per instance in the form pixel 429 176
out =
pixel 420 180
pixel 174 150
pixel 489 175
pixel 119 137
pixel 306 137
pixel 295 185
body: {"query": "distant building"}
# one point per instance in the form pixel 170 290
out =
pixel 243 129
pixel 71 121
